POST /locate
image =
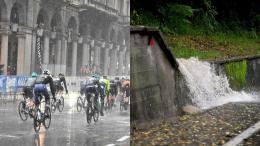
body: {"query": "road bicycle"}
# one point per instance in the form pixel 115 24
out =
pixel 81 103
pixel 124 102
pixel 42 117
pixel 59 103
pixel 26 108
pixel 92 109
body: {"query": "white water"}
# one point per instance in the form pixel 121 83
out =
pixel 207 89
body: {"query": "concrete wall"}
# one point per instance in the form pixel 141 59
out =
pixel 156 90
pixel 252 76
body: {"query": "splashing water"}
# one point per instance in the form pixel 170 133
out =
pixel 207 89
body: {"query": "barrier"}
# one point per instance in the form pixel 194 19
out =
pixel 12 83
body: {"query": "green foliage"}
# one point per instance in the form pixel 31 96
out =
pixel 236 72
pixel 205 17
pixel 176 17
pixel 143 18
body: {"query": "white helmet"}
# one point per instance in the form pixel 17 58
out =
pixel 46 72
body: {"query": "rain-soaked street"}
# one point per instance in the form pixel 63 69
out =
pixel 67 128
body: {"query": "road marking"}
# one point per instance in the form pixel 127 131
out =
pixel 123 138
pixel 244 135
pixel 123 122
pixel 3 109
pixel 110 145
pixel 9 136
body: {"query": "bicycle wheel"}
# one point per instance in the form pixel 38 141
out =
pixel 61 104
pixel 53 106
pixel 96 113
pixel 47 118
pixel 22 111
pixel 121 106
pixel 89 114
pixel 36 121
pixel 79 104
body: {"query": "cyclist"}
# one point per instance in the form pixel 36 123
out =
pixel 118 84
pixel 40 87
pixel 113 90
pixel 126 90
pixel 58 83
pixel 91 87
pixel 127 95
pixel 103 86
pixel 28 87
pixel 107 83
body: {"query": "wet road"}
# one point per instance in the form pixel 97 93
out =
pixel 68 128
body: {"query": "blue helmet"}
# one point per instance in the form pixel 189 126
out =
pixel 34 74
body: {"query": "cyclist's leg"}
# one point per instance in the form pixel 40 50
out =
pixel 36 98
pixel 37 94
pixel 87 95
pixel 46 95
pixel 102 104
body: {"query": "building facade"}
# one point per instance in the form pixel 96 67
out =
pixel 65 36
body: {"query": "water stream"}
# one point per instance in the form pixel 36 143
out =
pixel 207 88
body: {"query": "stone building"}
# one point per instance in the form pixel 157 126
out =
pixel 65 36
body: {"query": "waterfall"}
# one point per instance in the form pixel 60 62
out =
pixel 207 88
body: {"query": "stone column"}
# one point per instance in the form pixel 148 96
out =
pixel 33 54
pixel 58 61
pixel 63 54
pixel 21 54
pixel 74 58
pixel 127 66
pixel 4 51
pixel 107 58
pixel 121 60
pixel 28 53
pixel 116 59
pixel 102 54
pixel 97 55
pixel 86 53
pixel 58 57
pixel 113 61
pixel 46 50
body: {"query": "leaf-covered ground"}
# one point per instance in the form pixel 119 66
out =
pixel 211 47
pixel 210 128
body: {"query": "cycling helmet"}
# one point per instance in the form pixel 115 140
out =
pixel 46 72
pixel 34 74
pixel 112 81
pixel 60 74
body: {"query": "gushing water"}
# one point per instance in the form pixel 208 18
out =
pixel 207 89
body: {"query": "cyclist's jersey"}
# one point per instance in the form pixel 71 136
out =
pixel 127 91
pixel 59 83
pixel 30 82
pixel 113 88
pixel 106 82
pixel 45 80
pixel 102 86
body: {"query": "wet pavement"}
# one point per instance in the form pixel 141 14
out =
pixel 213 127
pixel 68 128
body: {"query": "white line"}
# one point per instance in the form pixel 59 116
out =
pixel 10 136
pixel 123 138
pixel 110 145
pixel 3 109
pixel 123 122
pixel 247 133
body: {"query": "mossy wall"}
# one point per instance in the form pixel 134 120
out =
pixel 236 72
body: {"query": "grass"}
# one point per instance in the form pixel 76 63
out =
pixel 236 72
pixel 213 46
